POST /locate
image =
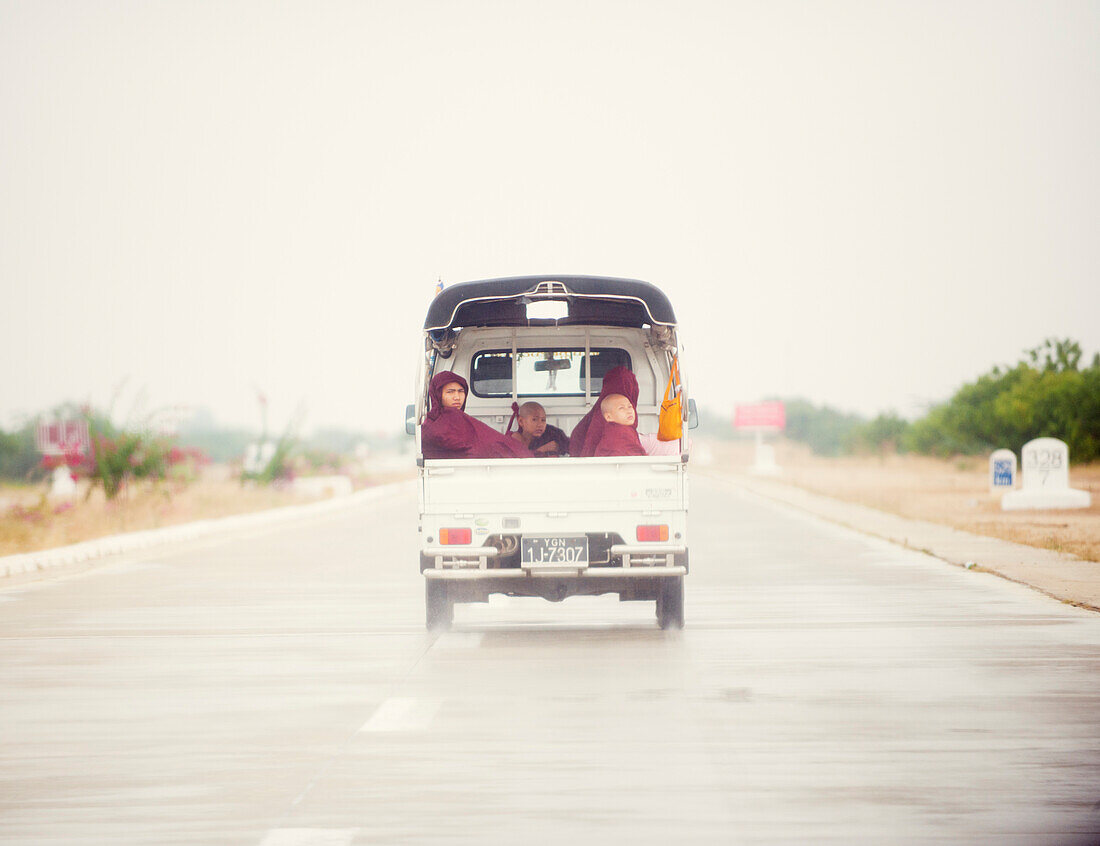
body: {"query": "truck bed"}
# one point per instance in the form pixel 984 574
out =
pixel 531 486
pixel 502 501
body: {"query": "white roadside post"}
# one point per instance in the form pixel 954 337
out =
pixel 1045 478
pixel 257 456
pixel 1002 471
pixel 760 418
pixel 62 485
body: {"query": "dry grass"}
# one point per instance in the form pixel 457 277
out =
pixel 29 522
pixel 954 493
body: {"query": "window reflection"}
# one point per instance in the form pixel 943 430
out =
pixel 542 372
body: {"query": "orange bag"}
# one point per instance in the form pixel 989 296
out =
pixel 670 424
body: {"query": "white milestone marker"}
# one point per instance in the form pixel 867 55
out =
pixel 1045 477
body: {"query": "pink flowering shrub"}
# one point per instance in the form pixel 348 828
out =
pixel 184 463
pixel 118 456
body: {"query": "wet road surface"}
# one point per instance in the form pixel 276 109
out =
pixel 278 688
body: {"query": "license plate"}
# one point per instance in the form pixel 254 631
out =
pixel 556 551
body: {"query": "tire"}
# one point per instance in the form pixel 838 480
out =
pixel 439 610
pixel 670 603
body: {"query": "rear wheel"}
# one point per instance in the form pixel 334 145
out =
pixel 438 607
pixel 670 603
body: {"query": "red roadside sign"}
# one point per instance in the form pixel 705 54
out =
pixel 61 437
pixel 761 415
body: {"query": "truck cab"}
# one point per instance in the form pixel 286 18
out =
pixel 557 526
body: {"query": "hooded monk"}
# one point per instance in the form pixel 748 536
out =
pixel 449 432
pixel 587 433
pixel 619 436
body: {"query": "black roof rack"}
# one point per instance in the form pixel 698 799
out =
pixel 592 300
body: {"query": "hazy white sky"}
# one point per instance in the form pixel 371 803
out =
pixel 866 204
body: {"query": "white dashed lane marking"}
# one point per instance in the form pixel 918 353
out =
pixel 394 715
pixel 399 714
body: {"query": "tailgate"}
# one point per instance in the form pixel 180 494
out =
pixel 553 484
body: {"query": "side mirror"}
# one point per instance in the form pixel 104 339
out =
pixel 693 414
pixel 410 419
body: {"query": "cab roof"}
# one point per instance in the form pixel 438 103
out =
pixel 592 300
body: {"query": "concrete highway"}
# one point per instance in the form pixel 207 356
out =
pixel 278 688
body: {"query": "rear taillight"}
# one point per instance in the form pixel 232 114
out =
pixel 653 533
pixel 448 537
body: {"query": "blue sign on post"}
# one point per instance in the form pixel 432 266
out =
pixel 1002 470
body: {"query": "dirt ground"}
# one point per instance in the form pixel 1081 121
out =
pixel 30 522
pixel 952 492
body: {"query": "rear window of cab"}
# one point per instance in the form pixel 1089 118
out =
pixel 544 373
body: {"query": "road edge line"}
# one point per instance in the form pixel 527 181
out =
pixel 45 560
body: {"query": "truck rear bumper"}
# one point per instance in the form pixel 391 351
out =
pixel 474 562
pixel 633 584
pixel 590 573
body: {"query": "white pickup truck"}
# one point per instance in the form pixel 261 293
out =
pixel 557 526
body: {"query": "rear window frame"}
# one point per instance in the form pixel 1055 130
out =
pixel 507 351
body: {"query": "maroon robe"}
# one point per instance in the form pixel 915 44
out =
pixel 618 439
pixel 452 433
pixel 588 432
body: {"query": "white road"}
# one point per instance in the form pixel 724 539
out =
pixel 279 689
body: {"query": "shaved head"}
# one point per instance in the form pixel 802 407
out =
pixel 618 409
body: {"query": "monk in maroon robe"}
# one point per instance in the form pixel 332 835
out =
pixel 619 436
pixel 449 432
pixel 587 433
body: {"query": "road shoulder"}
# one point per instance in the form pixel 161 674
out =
pixel 65 560
pixel 1064 577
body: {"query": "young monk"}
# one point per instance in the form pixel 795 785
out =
pixel 534 434
pixel 619 436
pixel 449 432
pixel 587 433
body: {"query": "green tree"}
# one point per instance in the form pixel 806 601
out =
pixel 1055 355
pixel 1045 394
pixel 826 430
pixel 886 433
pixel 19 458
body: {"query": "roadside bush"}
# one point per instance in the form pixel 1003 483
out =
pixel 279 468
pixel 118 456
pixel 220 443
pixel 1046 394
pixel 826 430
pixel 713 423
pixel 345 441
pixel 319 462
pixel 886 433
pixel 185 463
pixel 18 454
